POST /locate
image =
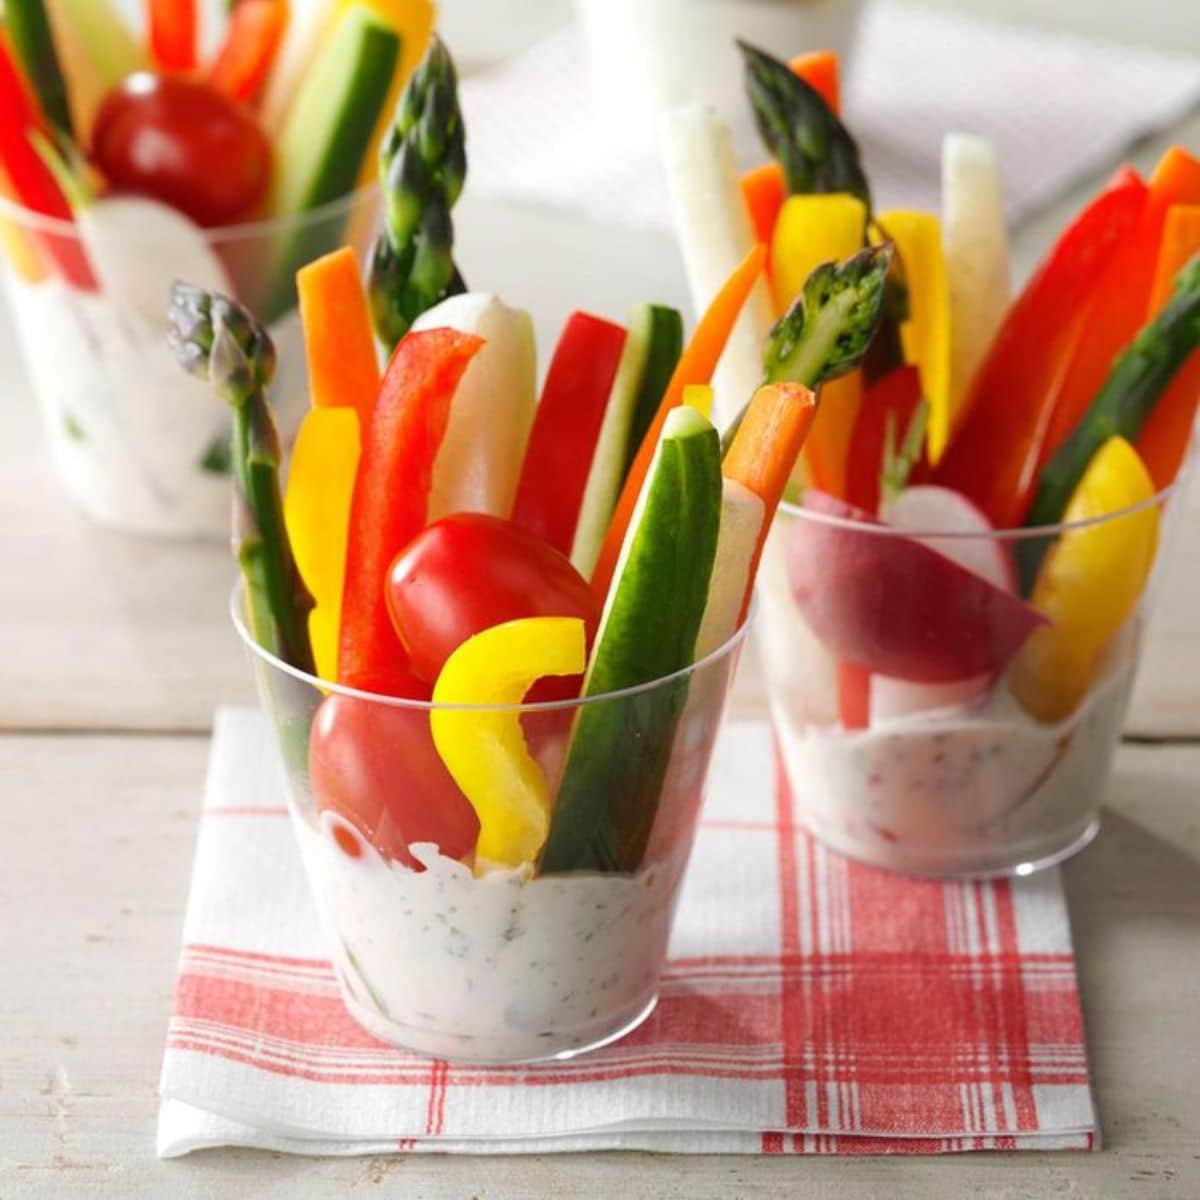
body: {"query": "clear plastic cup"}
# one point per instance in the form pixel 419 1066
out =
pixel 140 446
pixel 998 765
pixel 471 962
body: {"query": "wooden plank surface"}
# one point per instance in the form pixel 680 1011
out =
pixel 96 839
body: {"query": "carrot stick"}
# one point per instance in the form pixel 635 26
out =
pixel 696 365
pixel 342 366
pixel 765 450
pixel 763 193
pixel 1164 440
pixel 763 189
pixel 819 69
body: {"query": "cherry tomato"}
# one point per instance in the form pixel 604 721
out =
pixel 376 766
pixel 182 142
pixel 468 572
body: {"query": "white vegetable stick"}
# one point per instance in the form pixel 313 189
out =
pixel 976 248
pixel 741 520
pixel 714 234
pixel 479 463
pixel 307 21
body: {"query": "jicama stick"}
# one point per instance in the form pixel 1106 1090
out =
pixel 715 234
pixel 696 365
pixel 975 241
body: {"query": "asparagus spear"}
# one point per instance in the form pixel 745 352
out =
pixel 816 151
pixel 216 339
pixel 1138 378
pixel 819 154
pixel 422 165
pixel 828 329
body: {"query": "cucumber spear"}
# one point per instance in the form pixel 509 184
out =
pixel 1139 376
pixel 422 166
pixel 216 339
pixel 828 329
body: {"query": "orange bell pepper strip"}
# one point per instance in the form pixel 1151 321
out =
pixel 1118 309
pixel 763 453
pixel 252 38
pixel 763 189
pixel 342 365
pixel 994 457
pixel 1164 439
pixel 696 365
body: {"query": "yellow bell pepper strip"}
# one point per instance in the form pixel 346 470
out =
pixel 1089 583
pixel 316 511
pixel 700 397
pixel 15 244
pixel 484 749
pixel 812 230
pixel 926 334
pixel 343 377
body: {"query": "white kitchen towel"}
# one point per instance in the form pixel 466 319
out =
pixel 809 1005
pixel 1059 108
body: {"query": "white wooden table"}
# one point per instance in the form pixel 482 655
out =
pixel 113 654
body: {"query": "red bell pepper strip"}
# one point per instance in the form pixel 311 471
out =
pixel 696 365
pixel 391 497
pixel 1165 438
pixel 1118 310
pixel 252 38
pixel 563 439
pixel 28 178
pixel 897 393
pixel 172 25
pixel 994 458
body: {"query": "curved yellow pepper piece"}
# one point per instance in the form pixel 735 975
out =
pixel 316 511
pixel 700 397
pixel 926 334
pixel 1089 583
pixel 809 231
pixel 484 749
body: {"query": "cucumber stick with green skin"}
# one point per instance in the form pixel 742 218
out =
pixel 653 343
pixel 620 750
pixel 29 30
pixel 323 140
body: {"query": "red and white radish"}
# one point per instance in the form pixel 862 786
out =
pixel 922 511
pixel 893 605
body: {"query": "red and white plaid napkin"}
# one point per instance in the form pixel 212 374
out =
pixel 810 1005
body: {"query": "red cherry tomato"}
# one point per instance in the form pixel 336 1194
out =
pixel 182 142
pixel 376 766
pixel 468 572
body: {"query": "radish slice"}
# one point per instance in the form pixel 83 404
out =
pixel 715 235
pixel 920 509
pixel 479 462
pixel 741 521
pixel 895 606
